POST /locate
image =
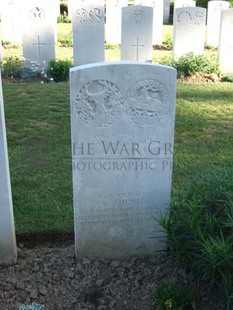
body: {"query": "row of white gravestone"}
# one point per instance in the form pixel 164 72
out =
pixel 88 30
pixel 189 34
pixel 88 33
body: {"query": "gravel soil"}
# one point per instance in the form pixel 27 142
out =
pixel 49 274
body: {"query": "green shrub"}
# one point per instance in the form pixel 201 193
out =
pixel 228 78
pixel 58 70
pixel 172 297
pixel 200 229
pixel 204 3
pixel 191 63
pixel 10 67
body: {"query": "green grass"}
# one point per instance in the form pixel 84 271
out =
pixel 39 152
pixel 38 128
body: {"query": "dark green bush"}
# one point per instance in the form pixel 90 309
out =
pixel 200 229
pixel 172 297
pixel 228 78
pixel 58 70
pixel 204 3
pixel 191 63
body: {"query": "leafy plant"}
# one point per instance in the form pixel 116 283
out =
pixel 59 70
pixel 10 67
pixel 191 63
pixel 228 78
pixel 200 229
pixel 63 18
pixel 204 3
pixel 172 297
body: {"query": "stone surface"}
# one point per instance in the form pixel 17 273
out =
pixel 189 31
pixel 158 10
pixel 213 21
pixel 122 123
pixel 38 36
pixel 113 20
pixel 10 20
pixel 7 229
pixel 225 49
pixel 88 31
pixel 136 36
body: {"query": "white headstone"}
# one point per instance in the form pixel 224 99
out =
pixel 158 9
pixel 11 20
pixel 184 3
pixel 88 31
pixel 136 33
pixel 225 49
pixel 189 31
pixel 38 33
pixel 7 229
pixel 213 21
pixel 113 20
pixel 122 123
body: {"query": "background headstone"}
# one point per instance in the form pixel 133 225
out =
pixel 11 20
pixel 189 31
pixel 122 124
pixel 184 3
pixel 7 229
pixel 225 48
pixel 88 31
pixel 213 21
pixel 136 33
pixel 38 37
pixel 158 11
pixel 113 20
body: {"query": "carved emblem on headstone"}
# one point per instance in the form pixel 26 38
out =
pixel 37 13
pixel 147 102
pixel 138 16
pixel 99 103
pixel 94 16
pixel 184 17
pixel 199 18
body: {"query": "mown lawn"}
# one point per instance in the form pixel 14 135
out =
pixel 38 130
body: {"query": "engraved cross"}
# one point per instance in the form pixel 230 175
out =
pixel 137 45
pixel 39 44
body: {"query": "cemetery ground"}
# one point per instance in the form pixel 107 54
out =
pixel 38 132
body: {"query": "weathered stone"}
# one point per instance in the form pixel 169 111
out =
pixel 122 118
